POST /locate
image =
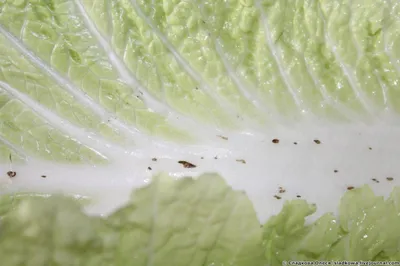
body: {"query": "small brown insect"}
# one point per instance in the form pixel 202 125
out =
pixel 275 141
pixel 216 157
pixel 375 180
pixel 350 188
pixel 370 148
pixel 43 176
pixel 277 197
pixel 295 143
pixel 149 168
pixel 154 159
pixel 222 137
pixel 282 190
pixel 187 164
pixel 298 196
pixel 11 173
pixel 317 141
pixel 241 161
pixel 202 157
pixel 389 178
pixel 335 171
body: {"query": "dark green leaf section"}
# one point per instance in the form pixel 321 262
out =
pixel 367 228
pixel 187 222
pixel 195 222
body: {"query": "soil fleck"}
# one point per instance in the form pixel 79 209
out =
pixel 282 190
pixel 277 197
pixel 241 161
pixel 11 173
pixel 389 178
pixel 222 137
pixel 187 164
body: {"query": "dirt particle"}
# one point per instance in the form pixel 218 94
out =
pixel 375 180
pixel 222 137
pixel 149 168
pixel 43 176
pixel 350 188
pixel 216 157
pixel 317 141
pixel 187 164
pixel 389 178
pixel 154 159
pixel 11 173
pixel 370 148
pixel 277 197
pixel 241 161
pixel 295 143
pixel 202 157
pixel 275 141
pixel 298 196
pixel 335 171
pixel 281 190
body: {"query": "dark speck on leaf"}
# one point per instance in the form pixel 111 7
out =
pixel 216 157
pixel 317 141
pixel 298 196
pixel 389 178
pixel 202 157
pixel 275 141
pixel 277 197
pixel 295 143
pixel 375 180
pixel 369 148
pixel 43 176
pixel 335 171
pixel 241 161
pixel 154 159
pixel 187 164
pixel 196 88
pixel 282 190
pixel 149 168
pixel 350 188
pixel 11 173
pixel 222 137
